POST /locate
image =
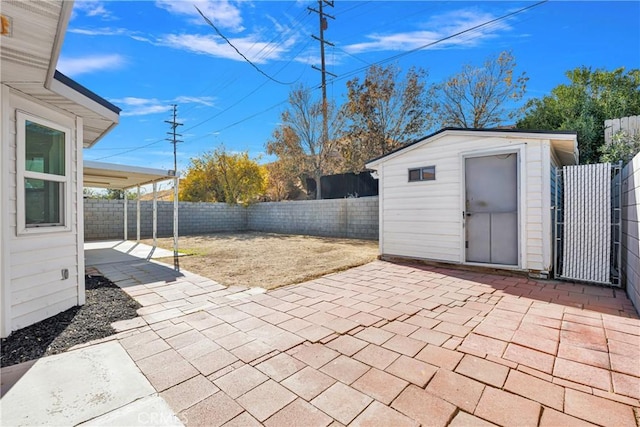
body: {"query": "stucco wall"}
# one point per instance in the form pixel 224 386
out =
pixel 630 230
pixel 354 218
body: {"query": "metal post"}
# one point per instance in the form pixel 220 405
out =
pixel 616 225
pixel 126 216
pixel 138 217
pixel 176 259
pixel 155 214
pixel 557 242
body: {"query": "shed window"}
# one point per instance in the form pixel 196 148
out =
pixel 43 174
pixel 427 173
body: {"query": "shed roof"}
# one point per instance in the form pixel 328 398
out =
pixel 29 55
pixel 121 177
pixel 565 143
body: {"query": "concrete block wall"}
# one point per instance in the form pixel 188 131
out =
pixel 104 219
pixel 631 230
pixel 352 218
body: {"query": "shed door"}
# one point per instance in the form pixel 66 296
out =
pixel 491 212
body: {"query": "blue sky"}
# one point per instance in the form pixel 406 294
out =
pixel 146 55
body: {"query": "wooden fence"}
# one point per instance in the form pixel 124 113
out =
pixel 631 124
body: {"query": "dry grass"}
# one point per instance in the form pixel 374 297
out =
pixel 268 260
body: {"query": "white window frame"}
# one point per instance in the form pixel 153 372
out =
pixel 22 174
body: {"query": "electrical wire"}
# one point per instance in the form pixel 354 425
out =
pixel 274 43
pixel 348 74
pixel 240 53
pixel 449 37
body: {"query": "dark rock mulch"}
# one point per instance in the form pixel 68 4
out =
pixel 105 303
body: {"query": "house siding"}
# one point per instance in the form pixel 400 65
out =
pixel 35 261
pixel 631 230
pixel 424 219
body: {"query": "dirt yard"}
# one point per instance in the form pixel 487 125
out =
pixel 268 260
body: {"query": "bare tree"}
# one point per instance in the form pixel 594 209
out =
pixel 383 112
pixel 298 139
pixel 478 97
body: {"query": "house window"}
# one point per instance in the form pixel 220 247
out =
pixel 43 175
pixel 427 173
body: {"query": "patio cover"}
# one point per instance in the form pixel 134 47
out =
pixel 124 177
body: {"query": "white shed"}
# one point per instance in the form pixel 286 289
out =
pixel 473 197
pixel 46 120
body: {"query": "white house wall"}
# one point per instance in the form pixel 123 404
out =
pixel 35 262
pixel 424 219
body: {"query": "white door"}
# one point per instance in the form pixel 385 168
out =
pixel 491 209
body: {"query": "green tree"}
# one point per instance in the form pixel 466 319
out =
pixel 582 105
pixel 623 147
pixel 109 193
pixel 298 140
pixel 219 176
pixel 478 97
pixel 383 112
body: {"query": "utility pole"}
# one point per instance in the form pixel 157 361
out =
pixel 323 26
pixel 174 140
pixel 174 137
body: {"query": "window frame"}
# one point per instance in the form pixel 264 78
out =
pixel 22 174
pixel 421 171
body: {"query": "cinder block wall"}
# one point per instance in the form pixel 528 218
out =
pixel 352 218
pixel 630 230
pixel 104 219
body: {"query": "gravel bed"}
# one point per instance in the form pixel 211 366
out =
pixel 105 303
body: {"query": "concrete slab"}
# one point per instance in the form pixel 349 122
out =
pixel 10 375
pixel 148 411
pixel 110 251
pixel 74 387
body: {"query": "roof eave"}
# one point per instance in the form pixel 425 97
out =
pixel 121 177
pixel 63 23
pixel 557 135
pixel 73 91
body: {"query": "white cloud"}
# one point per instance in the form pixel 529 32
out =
pixel 109 31
pixel 435 29
pixel 92 8
pixel 134 106
pixel 220 12
pixel 104 31
pixel 89 64
pixel 257 51
pixel 204 100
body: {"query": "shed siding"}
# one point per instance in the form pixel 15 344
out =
pixel 37 290
pixel 424 219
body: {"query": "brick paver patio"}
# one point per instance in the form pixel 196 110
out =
pixel 385 344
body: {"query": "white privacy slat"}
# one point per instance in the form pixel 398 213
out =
pixel 587 218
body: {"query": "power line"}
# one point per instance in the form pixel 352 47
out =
pixel 459 33
pixel 240 53
pixel 273 44
pixel 346 75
